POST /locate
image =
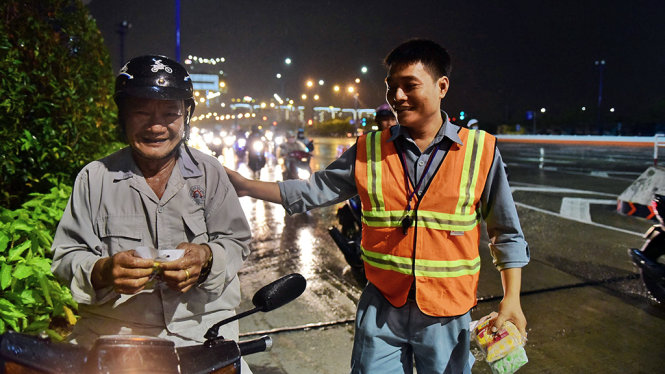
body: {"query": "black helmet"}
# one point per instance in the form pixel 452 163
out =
pixel 383 111
pixel 156 77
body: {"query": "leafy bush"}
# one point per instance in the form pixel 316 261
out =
pixel 30 297
pixel 56 85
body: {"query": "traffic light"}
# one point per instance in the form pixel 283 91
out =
pixel 364 120
pixel 461 115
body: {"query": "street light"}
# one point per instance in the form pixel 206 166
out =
pixel 363 69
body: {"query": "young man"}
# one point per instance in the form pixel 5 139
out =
pixel 154 193
pixel 424 186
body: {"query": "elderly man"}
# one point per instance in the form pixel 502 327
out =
pixel 155 193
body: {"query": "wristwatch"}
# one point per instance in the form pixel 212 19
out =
pixel 205 270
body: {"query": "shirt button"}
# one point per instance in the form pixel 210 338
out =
pixel 421 163
pixel 160 209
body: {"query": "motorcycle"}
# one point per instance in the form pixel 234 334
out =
pixel 650 259
pixel 21 354
pixel 308 142
pixel 296 165
pixel 256 156
pixel 348 238
pixel 240 146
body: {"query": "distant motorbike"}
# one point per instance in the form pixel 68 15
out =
pixel 256 154
pixel 348 238
pixel 20 353
pixel 296 165
pixel 308 142
pixel 650 259
pixel 240 146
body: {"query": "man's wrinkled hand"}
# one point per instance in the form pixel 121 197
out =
pixel 182 274
pixel 126 272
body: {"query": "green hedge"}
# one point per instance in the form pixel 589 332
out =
pixel 56 86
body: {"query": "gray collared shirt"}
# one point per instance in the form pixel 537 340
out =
pixel 113 209
pixel 336 183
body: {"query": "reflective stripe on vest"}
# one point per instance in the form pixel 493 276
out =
pixel 423 268
pixel 464 219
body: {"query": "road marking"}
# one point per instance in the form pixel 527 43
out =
pixel 559 190
pixel 579 209
pixel 588 223
pixel 572 208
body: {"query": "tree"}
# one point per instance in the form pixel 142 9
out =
pixel 56 86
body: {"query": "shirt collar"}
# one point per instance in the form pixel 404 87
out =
pixel 128 167
pixel 447 130
pixel 187 165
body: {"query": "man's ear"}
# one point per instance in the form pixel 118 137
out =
pixel 443 83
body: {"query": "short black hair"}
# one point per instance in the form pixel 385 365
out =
pixel 434 57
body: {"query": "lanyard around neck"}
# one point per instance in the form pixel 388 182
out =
pixel 409 193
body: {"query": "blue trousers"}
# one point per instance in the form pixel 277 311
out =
pixel 389 339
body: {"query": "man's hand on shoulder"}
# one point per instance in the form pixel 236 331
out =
pixel 238 181
pixel 268 191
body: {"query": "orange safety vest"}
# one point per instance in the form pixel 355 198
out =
pixel 440 249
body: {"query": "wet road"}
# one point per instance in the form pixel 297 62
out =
pixel 586 308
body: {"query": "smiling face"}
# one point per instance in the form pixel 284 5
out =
pixel 154 128
pixel 415 95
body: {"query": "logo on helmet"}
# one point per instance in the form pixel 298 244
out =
pixel 124 72
pixel 158 65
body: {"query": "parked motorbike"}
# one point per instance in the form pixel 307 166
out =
pixel 256 154
pixel 296 165
pixel 650 259
pixel 348 238
pixel 26 354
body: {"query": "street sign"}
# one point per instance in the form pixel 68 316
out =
pixel 205 81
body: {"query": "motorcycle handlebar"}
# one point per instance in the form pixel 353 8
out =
pixel 262 344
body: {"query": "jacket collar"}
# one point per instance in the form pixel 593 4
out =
pixel 447 130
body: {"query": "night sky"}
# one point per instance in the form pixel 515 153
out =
pixel 508 56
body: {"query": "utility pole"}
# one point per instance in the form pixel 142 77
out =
pixel 177 30
pixel 122 29
pixel 601 67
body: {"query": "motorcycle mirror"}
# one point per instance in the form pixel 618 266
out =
pixel 271 296
pixel 279 292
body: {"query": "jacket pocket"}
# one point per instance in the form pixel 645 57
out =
pixel 195 228
pixel 122 233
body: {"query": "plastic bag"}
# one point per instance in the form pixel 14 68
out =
pixel 504 349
